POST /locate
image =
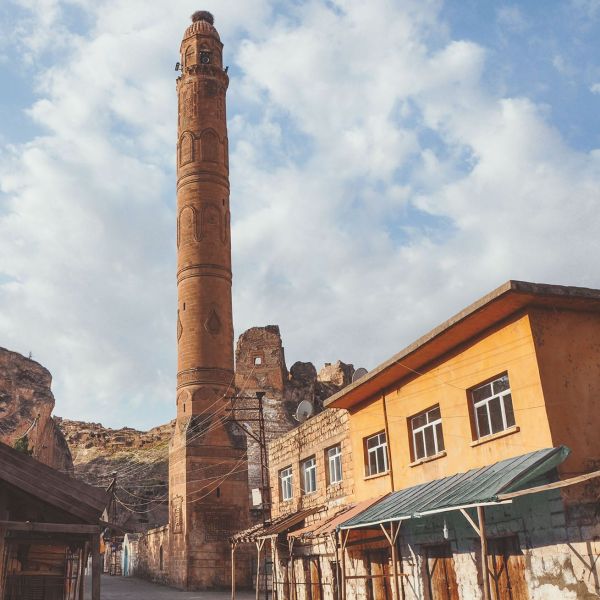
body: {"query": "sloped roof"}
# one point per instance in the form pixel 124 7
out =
pixel 51 486
pixel 501 303
pixel 324 527
pixel 477 486
pixel 277 526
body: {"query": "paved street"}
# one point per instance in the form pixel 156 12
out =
pixel 129 588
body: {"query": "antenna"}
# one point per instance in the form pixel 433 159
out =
pixel 303 411
pixel 361 372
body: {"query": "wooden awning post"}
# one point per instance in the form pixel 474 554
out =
pixel 480 530
pixel 484 558
pixel 233 585
pixel 259 546
pixel 345 534
pixel 274 592
pixel 392 538
pixel 292 574
pixel 96 567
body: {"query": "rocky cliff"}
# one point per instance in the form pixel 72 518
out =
pixel 139 459
pixel 26 405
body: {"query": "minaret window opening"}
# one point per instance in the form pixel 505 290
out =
pixel 205 58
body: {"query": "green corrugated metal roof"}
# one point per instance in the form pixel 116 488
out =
pixel 477 486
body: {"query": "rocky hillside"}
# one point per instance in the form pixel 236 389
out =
pixel 139 459
pixel 26 405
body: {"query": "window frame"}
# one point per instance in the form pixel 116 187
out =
pixel 286 483
pixel 438 447
pixel 374 451
pixel 501 396
pixel 311 472
pixel 334 458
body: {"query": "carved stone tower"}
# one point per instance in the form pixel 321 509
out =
pixel 207 460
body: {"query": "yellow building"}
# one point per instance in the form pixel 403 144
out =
pixel 470 461
pixel 517 371
pixel 506 387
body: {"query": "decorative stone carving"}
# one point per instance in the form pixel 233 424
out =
pixel 179 327
pixel 213 323
pixel 177 514
pixel 210 145
pixel 186 148
pixel 187 226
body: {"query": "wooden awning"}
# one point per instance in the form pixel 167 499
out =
pixel 74 497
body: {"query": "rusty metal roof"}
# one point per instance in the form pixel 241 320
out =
pixel 277 526
pixel 325 527
pixel 475 487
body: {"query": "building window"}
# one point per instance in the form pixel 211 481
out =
pixel 258 360
pixel 427 435
pixel 334 464
pixel 309 475
pixel 285 481
pixel 492 407
pixel 376 454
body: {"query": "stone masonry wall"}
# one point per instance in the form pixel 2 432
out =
pixel 313 438
pixel 261 367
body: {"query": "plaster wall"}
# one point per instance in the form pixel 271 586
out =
pixel 507 348
pixel 567 345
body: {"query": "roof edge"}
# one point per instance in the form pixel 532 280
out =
pixel 512 286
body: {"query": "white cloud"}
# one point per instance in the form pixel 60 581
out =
pixel 377 187
pixel 595 88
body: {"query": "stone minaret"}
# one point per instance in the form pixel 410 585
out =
pixel 208 496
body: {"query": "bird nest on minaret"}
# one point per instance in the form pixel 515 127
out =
pixel 203 15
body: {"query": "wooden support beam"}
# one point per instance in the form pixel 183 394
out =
pixel 96 566
pixel 345 534
pixel 233 548
pixel 550 486
pixel 274 558
pixel 49 527
pixel 259 546
pixel 392 539
pixel 484 558
pixel 292 574
pixel 471 522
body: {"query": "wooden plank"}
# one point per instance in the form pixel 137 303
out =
pixel 52 482
pixel 471 522
pixel 484 559
pixel 95 544
pixel 47 477
pixel 550 486
pixel 49 527
pixel 48 493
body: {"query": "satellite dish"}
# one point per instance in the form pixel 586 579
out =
pixel 305 409
pixel 358 374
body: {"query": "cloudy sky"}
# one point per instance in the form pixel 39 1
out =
pixel 392 161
